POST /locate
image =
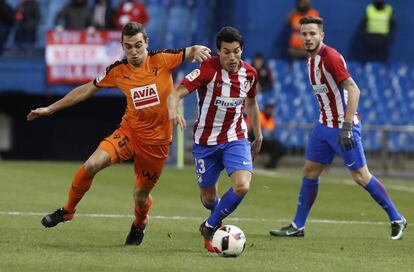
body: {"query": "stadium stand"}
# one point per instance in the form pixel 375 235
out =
pixel 387 91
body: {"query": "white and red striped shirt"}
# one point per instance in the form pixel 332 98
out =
pixel 327 70
pixel 220 96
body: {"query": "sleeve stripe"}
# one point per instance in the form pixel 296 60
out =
pixel 183 54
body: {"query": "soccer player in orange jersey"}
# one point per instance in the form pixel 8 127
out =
pixel 145 131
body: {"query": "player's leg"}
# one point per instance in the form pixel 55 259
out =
pixel 355 161
pixel 238 162
pixel 376 189
pixel 149 164
pixel 210 198
pixel 208 166
pixel 318 154
pixel 111 150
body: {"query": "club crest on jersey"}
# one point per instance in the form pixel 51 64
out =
pixel 100 77
pixel 145 96
pixel 320 89
pixel 228 102
pixel 318 73
pixel 193 75
pixel 248 84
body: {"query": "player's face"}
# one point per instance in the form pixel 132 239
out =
pixel 230 55
pixel 312 37
pixel 135 48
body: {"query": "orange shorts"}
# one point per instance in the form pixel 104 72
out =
pixel 149 160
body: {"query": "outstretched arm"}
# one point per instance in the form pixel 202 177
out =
pixel 75 96
pixel 197 53
pixel 252 110
pixel 173 101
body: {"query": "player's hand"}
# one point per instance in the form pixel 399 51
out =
pixel 255 147
pixel 346 138
pixel 179 120
pixel 39 112
pixel 201 53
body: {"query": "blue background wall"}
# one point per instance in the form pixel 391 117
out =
pixel 262 23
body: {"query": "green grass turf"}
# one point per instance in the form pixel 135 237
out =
pixel 96 243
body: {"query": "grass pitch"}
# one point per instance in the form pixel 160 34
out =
pixel 347 231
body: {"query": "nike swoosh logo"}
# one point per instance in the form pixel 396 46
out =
pixel 349 165
pixel 290 233
pixel 246 163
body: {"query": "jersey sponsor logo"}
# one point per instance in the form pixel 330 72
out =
pixel 145 96
pixel 100 77
pixel 320 89
pixel 228 102
pixel 193 75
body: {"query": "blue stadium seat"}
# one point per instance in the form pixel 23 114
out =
pixel 156 27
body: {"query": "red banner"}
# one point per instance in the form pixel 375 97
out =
pixel 80 56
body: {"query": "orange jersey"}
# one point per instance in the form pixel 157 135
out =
pixel 146 88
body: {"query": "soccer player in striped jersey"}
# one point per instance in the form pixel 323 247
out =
pixel 145 132
pixel 338 131
pixel 225 85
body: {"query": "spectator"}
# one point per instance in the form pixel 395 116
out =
pixel 130 10
pixel 379 27
pixel 303 8
pixel 271 145
pixel 102 14
pixel 74 16
pixel 265 76
pixel 27 19
pixel 6 22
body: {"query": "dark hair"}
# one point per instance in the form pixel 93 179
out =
pixel 229 34
pixel 258 55
pixel 312 20
pixel 133 28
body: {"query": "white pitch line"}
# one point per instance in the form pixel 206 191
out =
pixel 184 218
pixel 346 181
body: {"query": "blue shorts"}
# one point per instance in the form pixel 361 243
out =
pixel 323 146
pixel 210 160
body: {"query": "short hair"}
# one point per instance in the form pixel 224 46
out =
pixel 133 28
pixel 229 34
pixel 312 20
pixel 258 55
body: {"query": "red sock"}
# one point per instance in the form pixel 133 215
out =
pixel 141 213
pixel 80 185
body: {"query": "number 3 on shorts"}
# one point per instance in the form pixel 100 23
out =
pixel 201 168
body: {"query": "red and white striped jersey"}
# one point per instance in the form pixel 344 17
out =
pixel 220 96
pixel 327 70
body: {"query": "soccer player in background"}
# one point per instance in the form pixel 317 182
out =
pixel 145 132
pixel 225 86
pixel 338 131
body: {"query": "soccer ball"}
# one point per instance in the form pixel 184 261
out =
pixel 229 241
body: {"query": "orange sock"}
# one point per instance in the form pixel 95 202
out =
pixel 80 185
pixel 141 214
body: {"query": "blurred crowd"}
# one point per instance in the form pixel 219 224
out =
pixel 75 15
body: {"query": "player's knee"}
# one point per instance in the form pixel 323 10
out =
pixel 140 197
pixel 360 178
pixel 208 199
pixel 311 172
pixel 92 166
pixel 241 188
